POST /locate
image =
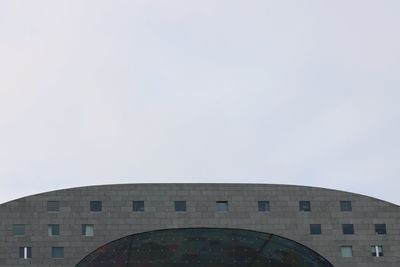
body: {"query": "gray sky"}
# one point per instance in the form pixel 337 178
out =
pixel 293 92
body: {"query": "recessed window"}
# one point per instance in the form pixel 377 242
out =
pixel 304 205
pixel 345 206
pixel 380 229
pixel 221 206
pixel 180 205
pixel 263 206
pixel 57 252
pixel 53 229
pixel 315 229
pixel 346 251
pixel 25 252
pixel 53 206
pixel 377 251
pixel 95 205
pixel 138 206
pixel 19 229
pixel 348 229
pixel 87 230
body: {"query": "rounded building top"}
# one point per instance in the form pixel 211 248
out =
pixel 182 188
pixel 228 222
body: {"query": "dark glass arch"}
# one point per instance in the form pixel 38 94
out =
pixel 203 247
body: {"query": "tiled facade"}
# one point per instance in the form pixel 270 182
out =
pixel 117 218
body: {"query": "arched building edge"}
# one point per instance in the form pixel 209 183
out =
pixel 243 185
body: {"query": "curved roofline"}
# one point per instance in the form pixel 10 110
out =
pixel 191 228
pixel 235 184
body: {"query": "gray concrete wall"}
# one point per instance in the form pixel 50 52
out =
pixel 117 219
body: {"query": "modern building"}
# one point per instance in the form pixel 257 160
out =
pixel 207 225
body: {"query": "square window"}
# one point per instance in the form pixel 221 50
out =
pixel 53 206
pixel 25 252
pixel 87 230
pixel 380 229
pixel 19 229
pixel 263 206
pixel 304 205
pixel 221 206
pixel 138 206
pixel 345 206
pixel 377 251
pixel 348 229
pixel 315 229
pixel 180 205
pixel 95 206
pixel 53 229
pixel 347 251
pixel 57 252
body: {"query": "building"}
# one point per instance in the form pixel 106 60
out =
pixel 148 225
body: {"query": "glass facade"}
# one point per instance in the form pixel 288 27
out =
pixel 203 247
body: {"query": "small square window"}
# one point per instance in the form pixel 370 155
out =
pixel 347 251
pixel 138 206
pixel 304 205
pixel 95 205
pixel 221 206
pixel 348 229
pixel 263 206
pixel 315 229
pixel 345 206
pixel 53 206
pixel 180 205
pixel 53 229
pixel 25 252
pixel 57 252
pixel 19 229
pixel 87 230
pixel 380 229
pixel 377 251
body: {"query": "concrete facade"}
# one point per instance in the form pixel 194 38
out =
pixel 117 219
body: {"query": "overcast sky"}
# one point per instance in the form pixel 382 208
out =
pixel 292 92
